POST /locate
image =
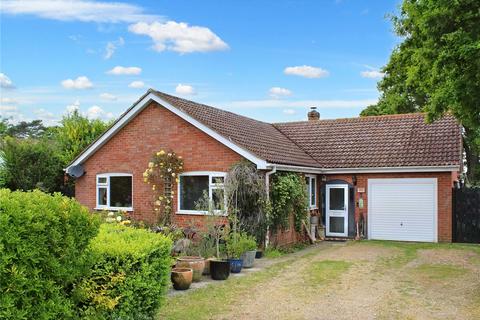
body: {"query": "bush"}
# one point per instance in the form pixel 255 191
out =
pixel 130 275
pixel 43 242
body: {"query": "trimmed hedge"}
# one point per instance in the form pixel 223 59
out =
pixel 43 242
pixel 130 276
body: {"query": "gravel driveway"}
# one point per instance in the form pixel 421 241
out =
pixel 353 280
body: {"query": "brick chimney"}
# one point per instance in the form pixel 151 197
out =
pixel 313 114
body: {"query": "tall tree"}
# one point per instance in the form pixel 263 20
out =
pixel 32 156
pixel 436 68
pixel 75 133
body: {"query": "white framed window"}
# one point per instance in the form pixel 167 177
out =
pixel 311 182
pixel 193 186
pixel 115 191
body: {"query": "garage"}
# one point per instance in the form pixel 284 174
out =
pixel 403 209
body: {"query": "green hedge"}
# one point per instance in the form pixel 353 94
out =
pixel 43 242
pixel 130 275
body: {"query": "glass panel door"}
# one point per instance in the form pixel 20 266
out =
pixel 337 210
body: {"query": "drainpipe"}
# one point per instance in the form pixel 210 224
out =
pixel 267 189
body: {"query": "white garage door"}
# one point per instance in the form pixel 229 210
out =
pixel 402 209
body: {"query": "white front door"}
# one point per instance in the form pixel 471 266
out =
pixel 336 210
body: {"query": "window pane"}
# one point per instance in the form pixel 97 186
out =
pixel 337 199
pixel 102 196
pixel 102 180
pixel 218 180
pixel 121 192
pixel 218 199
pixel 337 224
pixel 313 193
pixel 191 190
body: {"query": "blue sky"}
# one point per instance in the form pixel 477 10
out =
pixel 270 60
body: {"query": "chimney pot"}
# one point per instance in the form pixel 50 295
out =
pixel 313 114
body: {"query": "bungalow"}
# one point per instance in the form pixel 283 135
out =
pixel 396 171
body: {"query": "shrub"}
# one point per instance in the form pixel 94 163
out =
pixel 43 242
pixel 130 275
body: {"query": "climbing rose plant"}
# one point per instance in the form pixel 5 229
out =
pixel 161 174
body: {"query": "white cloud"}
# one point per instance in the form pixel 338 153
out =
pixel 81 82
pixel 108 96
pixel 7 107
pixel 112 46
pixel 137 84
pixel 184 89
pixel 78 10
pixel 96 112
pixel 372 74
pixel 5 82
pixel 75 106
pixel 289 111
pixel 44 114
pixel 277 92
pixel 119 70
pixel 179 37
pixel 8 100
pixel 306 71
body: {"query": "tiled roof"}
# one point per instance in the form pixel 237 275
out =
pixel 380 141
pixel 260 138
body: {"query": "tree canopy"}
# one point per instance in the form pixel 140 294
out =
pixel 33 156
pixel 436 68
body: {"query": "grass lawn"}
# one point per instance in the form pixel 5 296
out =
pixel 366 280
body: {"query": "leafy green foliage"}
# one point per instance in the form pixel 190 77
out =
pixel 28 164
pixel 247 198
pixel 288 196
pixel 43 252
pixel 239 243
pixel 22 130
pixel 436 68
pixel 130 275
pixel 75 133
pixel 33 156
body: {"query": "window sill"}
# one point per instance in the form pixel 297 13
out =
pixel 113 209
pixel 200 213
pixel 313 208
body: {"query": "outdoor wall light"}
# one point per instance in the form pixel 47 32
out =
pixel 354 180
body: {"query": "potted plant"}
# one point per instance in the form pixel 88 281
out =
pixel 235 248
pixel 196 263
pixel 181 278
pixel 217 231
pixel 249 247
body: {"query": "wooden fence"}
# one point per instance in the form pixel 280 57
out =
pixel 466 215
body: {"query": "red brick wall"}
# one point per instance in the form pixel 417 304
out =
pixel 130 150
pixel 444 189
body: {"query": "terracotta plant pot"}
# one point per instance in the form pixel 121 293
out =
pixel 219 269
pixel 249 258
pixel 197 264
pixel 181 278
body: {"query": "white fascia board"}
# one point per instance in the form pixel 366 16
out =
pixel 260 163
pixel 413 169
pixel 283 167
pixel 392 169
